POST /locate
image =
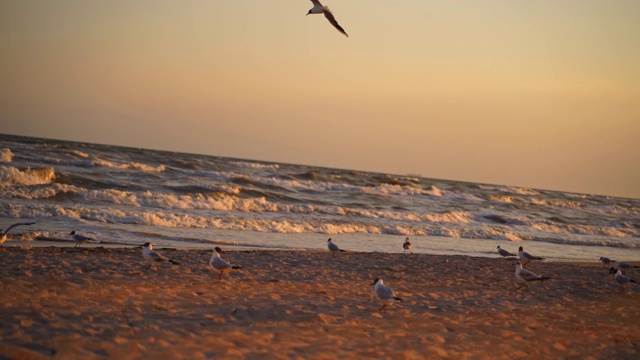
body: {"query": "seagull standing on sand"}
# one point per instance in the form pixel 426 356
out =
pixel 218 263
pixel 333 247
pixel 620 278
pixel 384 293
pixel 407 245
pixel 525 257
pixel 606 261
pixel 3 236
pixel 319 9
pixel 153 257
pixel 504 252
pixel 524 276
pixel 79 239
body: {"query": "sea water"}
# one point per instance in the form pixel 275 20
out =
pixel 129 196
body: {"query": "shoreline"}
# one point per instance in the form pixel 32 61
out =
pixel 104 303
pixel 43 242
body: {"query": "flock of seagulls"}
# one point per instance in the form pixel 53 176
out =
pixel 523 277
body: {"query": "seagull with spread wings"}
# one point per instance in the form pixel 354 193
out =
pixel 3 235
pixel 320 9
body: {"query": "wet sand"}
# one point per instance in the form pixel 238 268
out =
pixel 104 303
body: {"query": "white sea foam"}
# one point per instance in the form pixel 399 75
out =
pixel 13 176
pixel 255 165
pixel 96 161
pixel 6 155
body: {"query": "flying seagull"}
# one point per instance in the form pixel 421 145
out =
pixel 407 245
pixel 218 263
pixel 3 236
pixel 333 247
pixel 504 252
pixel 153 257
pixel 384 293
pixel 524 276
pixel 79 239
pixel 319 9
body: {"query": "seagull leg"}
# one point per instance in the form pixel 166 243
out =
pixel 383 306
pixel 220 276
pixel 157 267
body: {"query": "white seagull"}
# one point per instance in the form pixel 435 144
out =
pixel 3 236
pixel 384 293
pixel 606 261
pixel 218 263
pixel 153 257
pixel 407 245
pixel 525 257
pixel 524 276
pixel 333 247
pixel 504 252
pixel 79 239
pixel 319 9
pixel 620 278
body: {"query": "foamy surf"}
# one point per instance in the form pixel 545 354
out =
pixel 99 187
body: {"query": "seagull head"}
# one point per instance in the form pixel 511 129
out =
pixel 518 263
pixel 376 281
pixel 520 248
pixel 147 245
pixel 498 247
pixel 72 233
pixel 308 13
pixel 612 270
pixel 329 240
pixel 218 250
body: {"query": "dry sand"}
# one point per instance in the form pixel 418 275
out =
pixel 103 303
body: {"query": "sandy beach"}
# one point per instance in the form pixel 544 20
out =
pixel 99 302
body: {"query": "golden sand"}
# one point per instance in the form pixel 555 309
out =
pixel 104 303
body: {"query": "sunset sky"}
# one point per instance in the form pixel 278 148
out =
pixel 534 93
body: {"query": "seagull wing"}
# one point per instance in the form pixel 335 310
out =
pixel 333 21
pixel 316 3
pixel 531 257
pixel 504 252
pixel 16 224
pixel 384 293
pixel 220 263
pixel 156 256
pixel 333 247
pixel 528 275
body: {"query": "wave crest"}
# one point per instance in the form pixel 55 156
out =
pixel 6 155
pixel 13 176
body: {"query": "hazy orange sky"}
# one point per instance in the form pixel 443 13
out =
pixel 538 93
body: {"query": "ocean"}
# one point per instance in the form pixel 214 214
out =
pixel 128 196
